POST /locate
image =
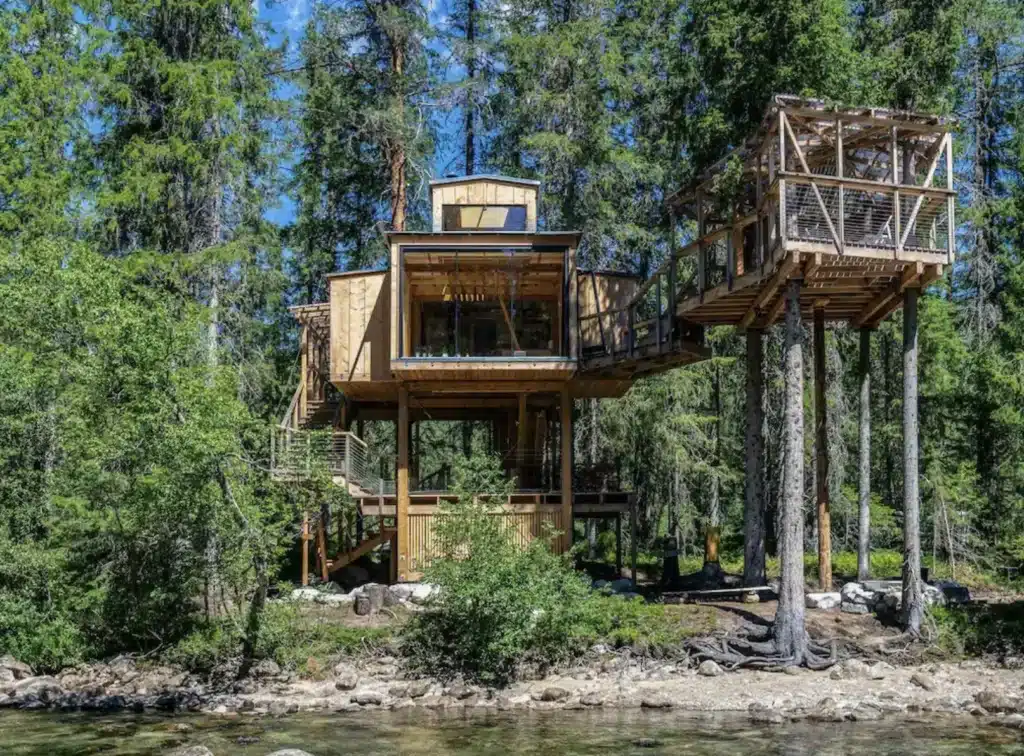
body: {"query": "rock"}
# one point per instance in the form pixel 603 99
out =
pixel 44 689
pixel 195 750
pixel 851 669
pixel 851 608
pixel 552 693
pixel 1015 721
pixel 599 585
pixel 857 594
pixel 934 596
pixel 823 600
pixel 6 676
pixel 880 669
pixel 345 676
pixel 418 688
pixel 761 714
pixel 460 692
pixel 655 701
pixel 304 594
pixel 290 752
pixel 708 668
pixel 594 698
pixel 751 597
pixel 923 680
pixel 363 605
pixel 622 585
pixel 865 712
pixel 994 700
pixel 402 592
pixel 368 698
pixel 18 670
pixel 422 593
pixel 335 599
pixel 646 743
pixel 266 668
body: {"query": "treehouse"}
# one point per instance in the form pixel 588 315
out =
pixel 483 320
pixel 489 321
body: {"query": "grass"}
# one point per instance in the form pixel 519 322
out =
pixel 649 628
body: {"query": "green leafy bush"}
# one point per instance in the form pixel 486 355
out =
pixel 981 630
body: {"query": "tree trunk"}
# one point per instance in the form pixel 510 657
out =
pixel 864 529
pixel 397 152
pixel 712 537
pixel 753 511
pixel 821 455
pixel 790 633
pixel 470 103
pixel 913 594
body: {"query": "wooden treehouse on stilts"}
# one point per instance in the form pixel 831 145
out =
pixel 486 319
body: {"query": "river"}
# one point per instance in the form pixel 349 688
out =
pixel 416 732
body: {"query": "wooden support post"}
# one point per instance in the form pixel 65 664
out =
pixel 913 592
pixel 821 454
pixel 618 545
pixel 657 310
pixel 303 370
pixel 790 631
pixel 841 174
pixel 305 549
pixel 897 227
pixel 400 554
pixel 753 509
pixel 864 530
pixel 672 262
pixel 321 548
pixel 521 436
pixel 633 547
pixel 566 422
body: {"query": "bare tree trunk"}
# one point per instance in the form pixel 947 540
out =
pixel 821 455
pixel 712 565
pixel 913 593
pixel 753 511
pixel 397 152
pixel 864 528
pixel 470 103
pixel 790 633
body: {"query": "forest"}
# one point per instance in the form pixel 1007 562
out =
pixel 174 174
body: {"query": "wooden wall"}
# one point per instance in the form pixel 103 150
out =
pixel 360 327
pixel 484 192
pixel 605 293
pixel 526 521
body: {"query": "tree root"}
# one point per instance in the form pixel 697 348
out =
pixel 747 648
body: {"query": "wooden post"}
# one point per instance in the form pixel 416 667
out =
pixel 303 369
pixel 672 262
pixel 402 489
pixel 566 422
pixel 790 632
pixel 618 545
pixel 305 549
pixel 521 435
pixel 753 511
pixel 821 454
pixel 841 174
pixel 864 530
pixel 913 593
pixel 321 547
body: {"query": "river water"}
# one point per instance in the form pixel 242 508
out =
pixel 416 732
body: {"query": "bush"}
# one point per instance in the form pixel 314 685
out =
pixel 981 630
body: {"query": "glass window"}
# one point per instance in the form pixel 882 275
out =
pixel 484 217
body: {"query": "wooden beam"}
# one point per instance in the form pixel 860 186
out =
pixel 888 300
pixel 402 568
pixel 566 441
pixel 781 275
pixel 814 186
pixel 521 440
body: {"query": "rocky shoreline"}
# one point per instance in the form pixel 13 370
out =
pixel 852 691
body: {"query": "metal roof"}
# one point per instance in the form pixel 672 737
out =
pixel 484 177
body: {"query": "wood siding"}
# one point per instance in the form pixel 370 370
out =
pixel 484 192
pixel 360 327
pixel 607 294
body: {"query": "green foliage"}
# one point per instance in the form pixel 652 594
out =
pixel 981 630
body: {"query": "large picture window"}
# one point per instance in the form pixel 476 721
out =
pixel 484 217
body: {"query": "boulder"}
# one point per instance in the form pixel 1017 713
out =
pixel 851 608
pixel 422 593
pixel 858 594
pixel 594 698
pixel 822 600
pixel 953 592
pixel 552 693
pixel 851 669
pixel 708 668
pixel 934 596
pixel 622 585
pixel 460 692
pixel 418 688
pixel 335 599
pixel 368 698
pixel 266 668
pixel 304 594
pixel 290 752
pixel 655 701
pixel 345 676
pixel 18 670
pixel 995 700
pixel 402 592
pixel 44 688
pixel 923 680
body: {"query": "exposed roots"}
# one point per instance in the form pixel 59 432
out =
pixel 754 648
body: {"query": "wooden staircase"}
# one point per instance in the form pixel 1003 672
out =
pixel 365 546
